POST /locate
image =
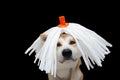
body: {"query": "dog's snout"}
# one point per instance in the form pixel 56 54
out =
pixel 67 53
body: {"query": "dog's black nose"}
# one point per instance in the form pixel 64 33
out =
pixel 67 53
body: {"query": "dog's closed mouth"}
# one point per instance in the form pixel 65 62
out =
pixel 67 59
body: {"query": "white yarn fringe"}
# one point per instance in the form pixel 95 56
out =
pixel 93 48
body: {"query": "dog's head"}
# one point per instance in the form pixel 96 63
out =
pixel 66 48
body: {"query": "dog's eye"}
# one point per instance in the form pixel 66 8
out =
pixel 72 42
pixel 58 44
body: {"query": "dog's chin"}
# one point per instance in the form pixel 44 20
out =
pixel 67 60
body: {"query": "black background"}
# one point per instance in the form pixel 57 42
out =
pixel 26 20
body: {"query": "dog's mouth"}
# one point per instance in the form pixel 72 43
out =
pixel 67 59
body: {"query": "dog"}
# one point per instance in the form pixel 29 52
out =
pixel 68 58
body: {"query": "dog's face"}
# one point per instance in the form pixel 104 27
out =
pixel 66 48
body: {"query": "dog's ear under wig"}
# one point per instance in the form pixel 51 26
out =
pixel 43 37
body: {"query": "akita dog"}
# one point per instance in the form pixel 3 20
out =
pixel 68 59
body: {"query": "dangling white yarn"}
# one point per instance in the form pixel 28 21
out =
pixel 93 48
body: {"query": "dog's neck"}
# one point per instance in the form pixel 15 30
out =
pixel 66 76
pixel 64 70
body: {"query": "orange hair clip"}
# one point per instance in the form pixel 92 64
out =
pixel 62 24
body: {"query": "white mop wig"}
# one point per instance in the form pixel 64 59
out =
pixel 93 48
